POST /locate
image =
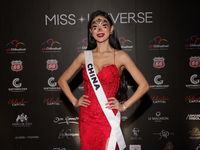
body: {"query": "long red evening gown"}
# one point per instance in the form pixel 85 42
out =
pixel 93 125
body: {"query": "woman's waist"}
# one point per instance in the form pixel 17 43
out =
pixel 92 96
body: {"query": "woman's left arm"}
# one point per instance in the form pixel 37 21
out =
pixel 143 85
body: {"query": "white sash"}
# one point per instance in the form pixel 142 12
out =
pixel 116 135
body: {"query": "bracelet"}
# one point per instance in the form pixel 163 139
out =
pixel 124 107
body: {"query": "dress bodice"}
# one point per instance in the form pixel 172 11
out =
pixel 109 78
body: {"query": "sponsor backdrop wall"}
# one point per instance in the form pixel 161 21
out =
pixel 38 41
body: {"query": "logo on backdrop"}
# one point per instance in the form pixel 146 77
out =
pixel 51 45
pixel 193 117
pixel 158 117
pixel 134 147
pixel 52 85
pixel 52 101
pixel 192 42
pixel 163 134
pixel 15 46
pixel 159 62
pixel 194 61
pixel 135 136
pixel 52 64
pixel 169 146
pixel 126 44
pixel 158 83
pixel 17 102
pixel 124 118
pixel 198 147
pixel 122 18
pixel 67 120
pixel 195 82
pixel 82 45
pixel 22 121
pixel 30 137
pixel 16 65
pixel 194 133
pixel 159 100
pixel 17 86
pixel 192 99
pixel 158 43
pixel 67 134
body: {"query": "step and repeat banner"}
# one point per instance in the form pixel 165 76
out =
pixel 39 40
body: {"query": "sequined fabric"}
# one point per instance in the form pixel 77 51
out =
pixel 93 125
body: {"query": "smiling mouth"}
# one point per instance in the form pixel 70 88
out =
pixel 100 34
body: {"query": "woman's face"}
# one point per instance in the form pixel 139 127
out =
pixel 101 29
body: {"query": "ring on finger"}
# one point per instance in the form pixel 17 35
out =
pixel 114 102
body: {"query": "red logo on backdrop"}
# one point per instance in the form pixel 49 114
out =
pixel 52 64
pixel 195 61
pixel 192 99
pixel 159 62
pixel 52 101
pixel 157 98
pixel 16 65
pixel 17 102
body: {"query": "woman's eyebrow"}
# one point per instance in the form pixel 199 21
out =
pixel 98 21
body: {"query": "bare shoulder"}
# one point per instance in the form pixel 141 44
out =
pixel 122 55
pixel 81 56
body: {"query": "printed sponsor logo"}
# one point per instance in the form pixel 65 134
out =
pixel 120 17
pixel 17 86
pixel 194 134
pixel 192 42
pixel 159 62
pixel 159 100
pixel 126 44
pixel 22 121
pixel 51 45
pixel 52 85
pixel 27 137
pixel 52 101
pixel 195 82
pixel 135 135
pixel 67 134
pixel 16 65
pixel 15 46
pixel 124 118
pixel 158 117
pixel 158 83
pixel 67 120
pixel 17 102
pixel 81 87
pixel 198 147
pixel 82 45
pixel 169 146
pixel 134 147
pixel 56 148
pixel 158 43
pixel 163 134
pixel 192 99
pixel 193 117
pixel 194 61
pixel 52 64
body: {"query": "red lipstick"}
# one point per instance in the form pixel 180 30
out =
pixel 100 34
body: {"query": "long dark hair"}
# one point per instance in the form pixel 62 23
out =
pixel 113 39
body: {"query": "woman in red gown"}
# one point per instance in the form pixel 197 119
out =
pixel 109 61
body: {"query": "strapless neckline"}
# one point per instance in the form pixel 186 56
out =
pixel 107 66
